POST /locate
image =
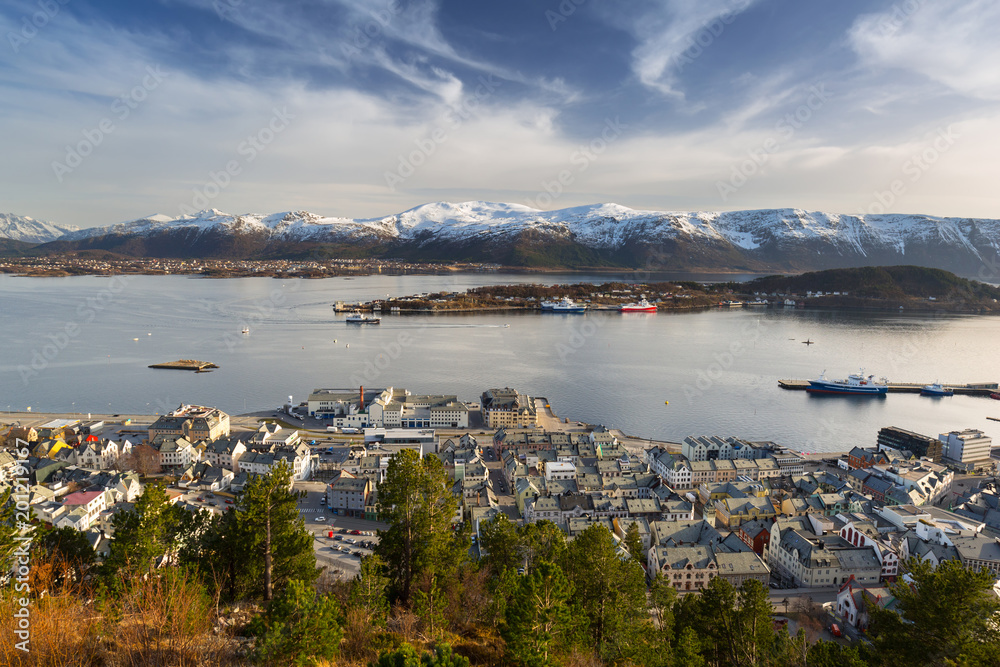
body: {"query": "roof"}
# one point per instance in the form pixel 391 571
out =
pixel 81 497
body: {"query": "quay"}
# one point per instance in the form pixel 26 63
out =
pixel 975 389
pixel 186 365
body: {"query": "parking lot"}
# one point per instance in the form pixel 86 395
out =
pixel 352 538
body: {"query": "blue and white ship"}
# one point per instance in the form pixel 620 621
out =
pixel 936 389
pixel 567 305
pixel 549 305
pixel 856 384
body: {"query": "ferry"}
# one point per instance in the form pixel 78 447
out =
pixel 731 304
pixel 856 384
pixel 567 305
pixel 360 318
pixel 549 305
pixel 642 307
pixel 936 389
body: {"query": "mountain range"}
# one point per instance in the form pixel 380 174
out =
pixel 600 235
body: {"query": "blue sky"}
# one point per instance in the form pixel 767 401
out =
pixel 119 109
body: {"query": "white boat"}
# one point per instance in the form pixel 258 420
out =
pixel 361 318
pixel 567 305
pixel 856 384
pixel 246 330
pixel 549 305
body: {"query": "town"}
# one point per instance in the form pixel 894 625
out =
pixel 833 529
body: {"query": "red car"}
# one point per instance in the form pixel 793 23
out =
pixel 355 532
pixel 229 502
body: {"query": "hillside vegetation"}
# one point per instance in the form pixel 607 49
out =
pixel 891 283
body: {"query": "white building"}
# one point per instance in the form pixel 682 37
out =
pixel 968 446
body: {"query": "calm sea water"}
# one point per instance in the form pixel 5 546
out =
pixel 84 343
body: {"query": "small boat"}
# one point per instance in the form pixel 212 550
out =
pixel 246 330
pixel 361 318
pixel 807 341
pixel 731 304
pixel 567 305
pixel 856 384
pixel 642 307
pixel 936 389
pixel 757 302
pixel 506 326
pixel 995 396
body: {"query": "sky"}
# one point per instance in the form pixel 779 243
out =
pixel 115 110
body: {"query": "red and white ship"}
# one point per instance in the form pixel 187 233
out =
pixel 641 307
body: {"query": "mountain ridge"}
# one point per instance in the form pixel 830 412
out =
pixel 606 234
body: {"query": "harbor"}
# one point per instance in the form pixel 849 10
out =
pixel 973 389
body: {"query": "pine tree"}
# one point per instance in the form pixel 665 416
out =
pixel 416 501
pixel 298 627
pixel 633 543
pixel 269 524
pixel 539 615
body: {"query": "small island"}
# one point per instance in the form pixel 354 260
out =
pixel 868 288
pixel 187 365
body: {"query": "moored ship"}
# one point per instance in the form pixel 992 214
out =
pixel 567 305
pixel 936 389
pixel 642 307
pixel 856 384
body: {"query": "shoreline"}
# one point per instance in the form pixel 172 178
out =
pixel 136 423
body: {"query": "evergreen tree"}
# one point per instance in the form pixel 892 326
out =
pixel 68 544
pixel 611 593
pixel 298 627
pixel 542 540
pixel 416 501
pixel 369 589
pixel 146 534
pixel 947 616
pixel 539 616
pixel 633 543
pixel 269 525
pixel 500 543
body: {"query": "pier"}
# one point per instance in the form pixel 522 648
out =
pixel 974 389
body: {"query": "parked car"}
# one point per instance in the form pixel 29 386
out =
pixel 355 532
pixel 229 502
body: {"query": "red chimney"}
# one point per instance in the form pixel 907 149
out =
pixel 362 406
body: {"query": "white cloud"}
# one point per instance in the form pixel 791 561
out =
pixel 674 33
pixel 952 42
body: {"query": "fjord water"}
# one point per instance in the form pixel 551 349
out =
pixel 69 345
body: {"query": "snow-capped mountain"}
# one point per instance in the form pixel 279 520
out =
pixel 29 230
pixel 596 235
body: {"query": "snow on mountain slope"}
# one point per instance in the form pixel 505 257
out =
pixel 29 230
pixel 772 237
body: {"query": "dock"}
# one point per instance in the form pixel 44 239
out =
pixel 186 365
pixel 974 389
